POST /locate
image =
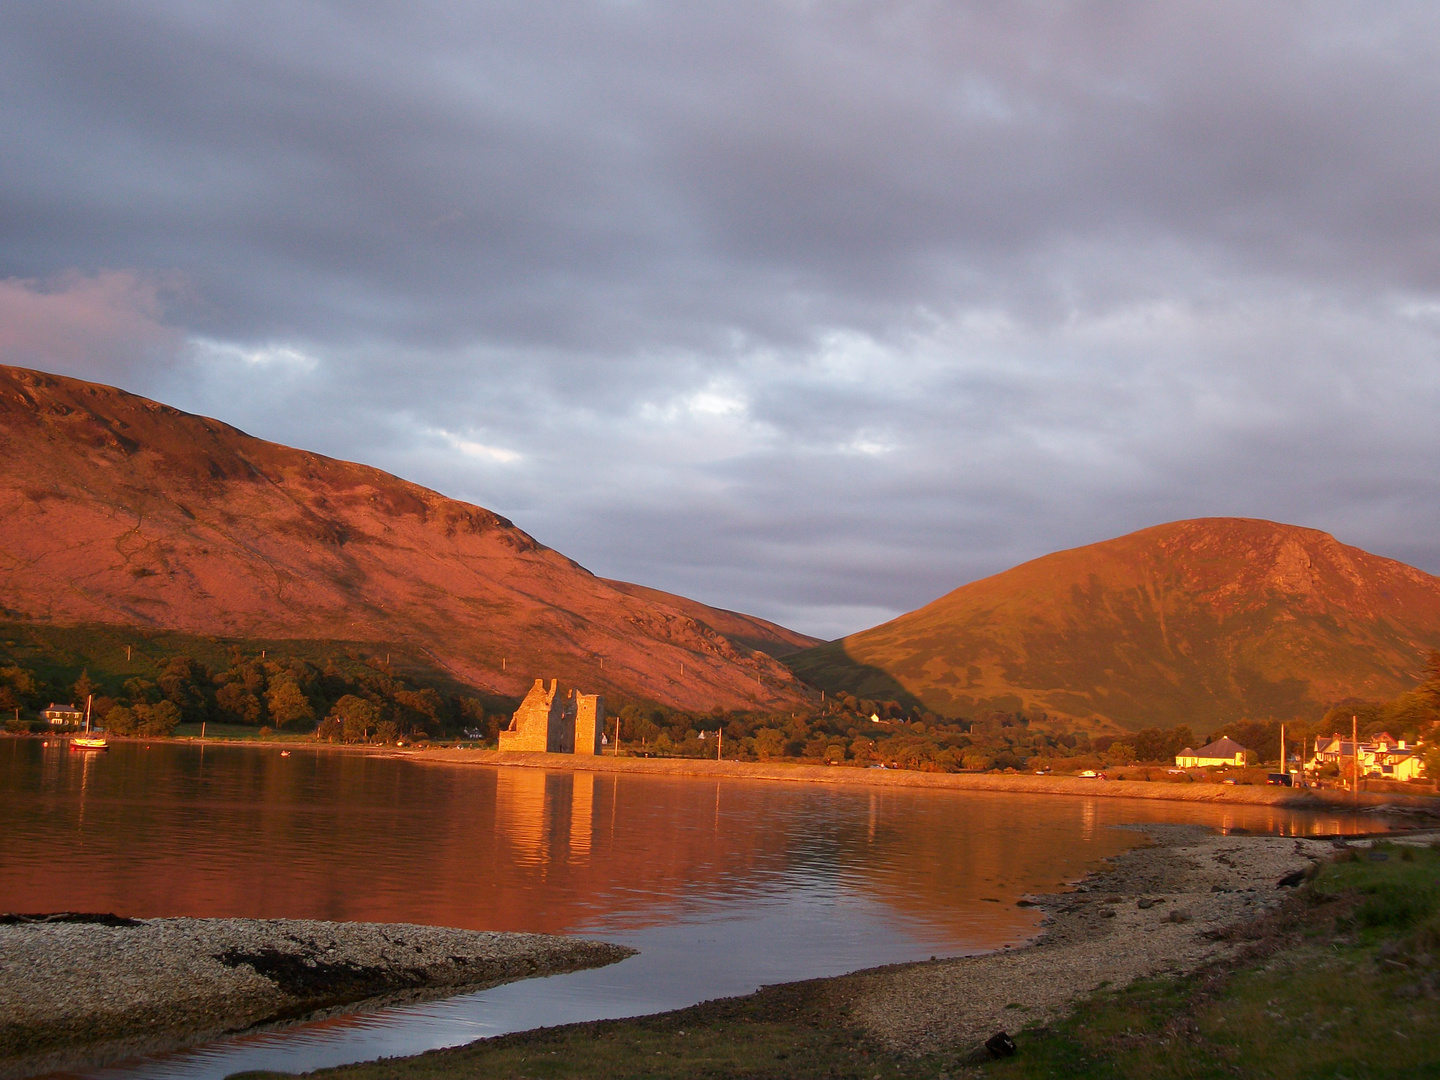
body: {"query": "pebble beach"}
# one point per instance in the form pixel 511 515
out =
pixel 1166 908
pixel 80 991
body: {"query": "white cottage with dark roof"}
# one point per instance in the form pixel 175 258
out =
pixel 1224 751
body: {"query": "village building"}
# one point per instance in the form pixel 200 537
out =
pixel 62 715
pixel 548 722
pixel 1382 757
pixel 1224 751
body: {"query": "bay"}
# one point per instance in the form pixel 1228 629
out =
pixel 723 885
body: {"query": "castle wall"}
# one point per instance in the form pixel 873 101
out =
pixel 538 716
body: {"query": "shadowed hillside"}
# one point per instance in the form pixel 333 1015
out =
pixel 745 631
pixel 1197 622
pixel 120 510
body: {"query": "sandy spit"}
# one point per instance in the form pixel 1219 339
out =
pixel 83 991
pixel 1154 910
pixel 1289 798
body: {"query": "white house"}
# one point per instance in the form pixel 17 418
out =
pixel 62 715
pixel 1382 757
pixel 1224 751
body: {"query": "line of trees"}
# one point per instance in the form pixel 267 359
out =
pixel 365 703
pixel 853 732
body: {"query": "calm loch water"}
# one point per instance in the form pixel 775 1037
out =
pixel 722 885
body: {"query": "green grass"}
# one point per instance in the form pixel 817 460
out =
pixel 779 1032
pixel 1314 1012
pixel 1339 983
pixel 1392 898
pixel 214 730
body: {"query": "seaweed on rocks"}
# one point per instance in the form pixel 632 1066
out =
pixel 91 918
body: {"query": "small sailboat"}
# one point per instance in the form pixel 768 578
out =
pixel 89 741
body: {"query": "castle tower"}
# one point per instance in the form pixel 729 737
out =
pixel 589 723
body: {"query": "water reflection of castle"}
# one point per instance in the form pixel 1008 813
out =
pixel 548 722
pixel 543 814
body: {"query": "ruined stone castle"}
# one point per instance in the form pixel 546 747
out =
pixel 549 722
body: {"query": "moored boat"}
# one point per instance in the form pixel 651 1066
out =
pixel 90 740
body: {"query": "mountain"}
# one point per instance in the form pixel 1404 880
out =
pixel 121 510
pixel 1197 622
pixel 746 631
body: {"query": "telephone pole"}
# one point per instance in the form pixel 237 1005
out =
pixel 1355 745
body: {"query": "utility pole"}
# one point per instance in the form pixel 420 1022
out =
pixel 1355 745
pixel 1284 768
pixel 719 742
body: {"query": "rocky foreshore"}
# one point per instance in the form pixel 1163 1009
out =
pixel 1170 907
pixel 82 990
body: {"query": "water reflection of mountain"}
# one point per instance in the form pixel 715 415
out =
pixel 171 829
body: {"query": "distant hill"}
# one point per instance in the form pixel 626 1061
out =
pixel 120 510
pixel 1197 622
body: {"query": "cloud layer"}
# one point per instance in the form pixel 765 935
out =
pixel 815 311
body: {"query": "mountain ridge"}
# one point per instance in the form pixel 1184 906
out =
pixel 120 509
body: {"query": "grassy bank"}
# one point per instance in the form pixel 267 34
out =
pixel 1340 980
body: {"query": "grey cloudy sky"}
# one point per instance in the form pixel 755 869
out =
pixel 814 310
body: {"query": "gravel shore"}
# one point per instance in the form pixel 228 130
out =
pixel 1159 909
pixel 82 990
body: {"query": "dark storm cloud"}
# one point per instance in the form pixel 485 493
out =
pixel 812 310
